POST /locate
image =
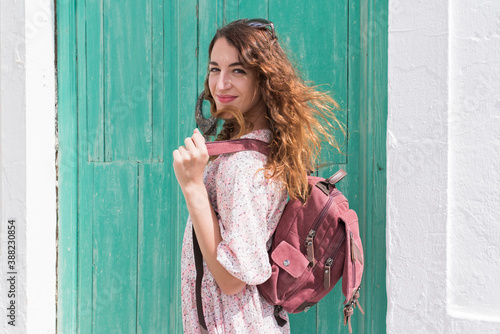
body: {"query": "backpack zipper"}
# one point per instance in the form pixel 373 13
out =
pixel 353 259
pixel 329 262
pixel 328 268
pixel 309 243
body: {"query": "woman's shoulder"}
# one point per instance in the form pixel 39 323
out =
pixel 262 135
pixel 246 161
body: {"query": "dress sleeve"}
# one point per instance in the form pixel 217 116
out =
pixel 243 206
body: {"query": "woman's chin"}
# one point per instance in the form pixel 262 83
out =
pixel 227 112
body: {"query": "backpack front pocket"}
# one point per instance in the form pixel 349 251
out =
pixel 292 263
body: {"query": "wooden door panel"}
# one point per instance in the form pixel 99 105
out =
pixel 114 244
pixel 127 40
pixel 125 80
pixel 316 36
pixel 155 263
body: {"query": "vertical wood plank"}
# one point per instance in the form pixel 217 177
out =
pixel 335 35
pixel 155 265
pixel 359 125
pixel 114 245
pixel 181 118
pixel 363 124
pixel 92 12
pixel 85 261
pixel 187 81
pixel 377 28
pixel 170 116
pixel 67 269
pixel 368 56
pixel 158 77
pixel 86 143
pixel 127 69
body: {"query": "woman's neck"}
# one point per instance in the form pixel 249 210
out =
pixel 257 125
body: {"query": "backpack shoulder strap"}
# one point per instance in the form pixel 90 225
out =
pixel 237 145
pixel 337 177
pixel 198 260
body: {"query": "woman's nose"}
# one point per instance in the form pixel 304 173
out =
pixel 224 82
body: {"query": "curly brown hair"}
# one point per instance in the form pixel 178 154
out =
pixel 300 116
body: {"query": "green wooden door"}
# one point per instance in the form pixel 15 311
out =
pixel 129 73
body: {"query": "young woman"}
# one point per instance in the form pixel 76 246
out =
pixel 235 201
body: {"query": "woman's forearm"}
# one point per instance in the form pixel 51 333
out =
pixel 206 226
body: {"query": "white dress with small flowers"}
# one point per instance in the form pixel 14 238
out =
pixel 248 207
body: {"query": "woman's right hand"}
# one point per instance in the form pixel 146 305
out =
pixel 189 164
pixel 190 161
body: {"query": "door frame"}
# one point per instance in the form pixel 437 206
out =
pixel 367 77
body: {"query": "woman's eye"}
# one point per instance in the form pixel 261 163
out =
pixel 239 71
pixel 214 69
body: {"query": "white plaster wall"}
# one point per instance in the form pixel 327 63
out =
pixel 474 161
pixel 13 161
pixel 443 150
pixel 27 160
pixel 40 166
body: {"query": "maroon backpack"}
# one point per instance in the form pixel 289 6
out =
pixel 314 245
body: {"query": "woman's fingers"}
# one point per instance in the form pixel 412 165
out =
pixel 183 152
pixel 194 149
pixel 177 155
pixel 199 141
pixel 189 144
pixel 190 160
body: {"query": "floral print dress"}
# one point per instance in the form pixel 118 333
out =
pixel 248 207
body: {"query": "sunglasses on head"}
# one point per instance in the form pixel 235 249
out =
pixel 259 24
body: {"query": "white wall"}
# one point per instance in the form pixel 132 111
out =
pixel 474 161
pixel 40 166
pixel 13 165
pixel 27 161
pixel 443 152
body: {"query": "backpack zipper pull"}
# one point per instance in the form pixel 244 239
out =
pixel 348 311
pixel 328 269
pixel 310 248
pixel 355 299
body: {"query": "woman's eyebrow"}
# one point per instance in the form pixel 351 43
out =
pixel 230 65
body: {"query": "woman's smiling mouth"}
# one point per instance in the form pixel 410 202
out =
pixel 225 98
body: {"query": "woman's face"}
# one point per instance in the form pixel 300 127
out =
pixel 231 84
